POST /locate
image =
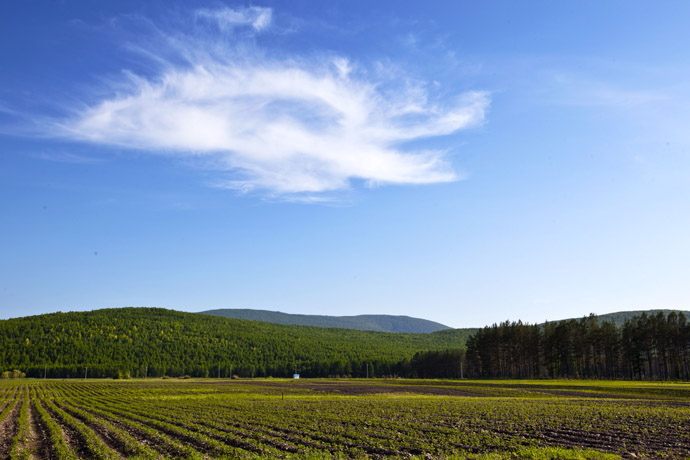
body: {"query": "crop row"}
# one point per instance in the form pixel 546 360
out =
pixel 105 420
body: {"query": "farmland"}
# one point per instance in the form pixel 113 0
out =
pixel 279 418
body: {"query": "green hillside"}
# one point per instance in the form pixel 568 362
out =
pixel 159 342
pixel 156 342
pixel 381 323
pixel 619 318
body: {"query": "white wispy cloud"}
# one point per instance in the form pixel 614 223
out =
pixel 284 127
pixel 227 18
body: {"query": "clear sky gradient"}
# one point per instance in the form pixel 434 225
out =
pixel 464 162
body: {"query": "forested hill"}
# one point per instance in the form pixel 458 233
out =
pixel 647 346
pixel 159 342
pixel 381 323
pixel 619 318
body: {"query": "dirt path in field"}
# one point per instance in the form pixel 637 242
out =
pixel 9 427
pixel 39 441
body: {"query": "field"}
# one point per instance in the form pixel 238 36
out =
pixel 277 418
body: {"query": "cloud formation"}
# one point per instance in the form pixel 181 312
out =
pixel 287 127
pixel 228 18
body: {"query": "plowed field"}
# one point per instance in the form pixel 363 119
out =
pixel 272 418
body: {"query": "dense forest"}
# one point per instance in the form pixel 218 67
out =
pixel 140 342
pixel 619 318
pixel 645 347
pixel 147 342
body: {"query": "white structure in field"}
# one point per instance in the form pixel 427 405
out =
pixel 295 376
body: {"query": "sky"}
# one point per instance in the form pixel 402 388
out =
pixel 464 162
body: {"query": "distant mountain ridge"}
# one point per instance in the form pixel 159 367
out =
pixel 393 323
pixel 378 323
pixel 618 318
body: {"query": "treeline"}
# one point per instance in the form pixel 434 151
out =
pixel 148 342
pixel 445 364
pixel 145 342
pixel 310 369
pixel 645 347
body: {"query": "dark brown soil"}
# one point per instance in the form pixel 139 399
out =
pixel 8 428
pixel 584 394
pixel 362 388
pixel 140 436
pixel 617 442
pixel 403 433
pixel 103 435
pixel 39 442
pixel 72 437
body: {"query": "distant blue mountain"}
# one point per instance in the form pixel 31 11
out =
pixel 381 323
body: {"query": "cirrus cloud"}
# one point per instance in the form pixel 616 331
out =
pixel 227 18
pixel 284 127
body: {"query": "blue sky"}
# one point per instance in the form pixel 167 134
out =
pixel 465 162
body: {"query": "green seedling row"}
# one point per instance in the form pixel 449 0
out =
pixel 57 437
pixel 343 419
pixel 22 436
pixel 131 447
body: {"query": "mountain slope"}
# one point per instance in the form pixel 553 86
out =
pixel 381 323
pixel 156 342
pixel 619 318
